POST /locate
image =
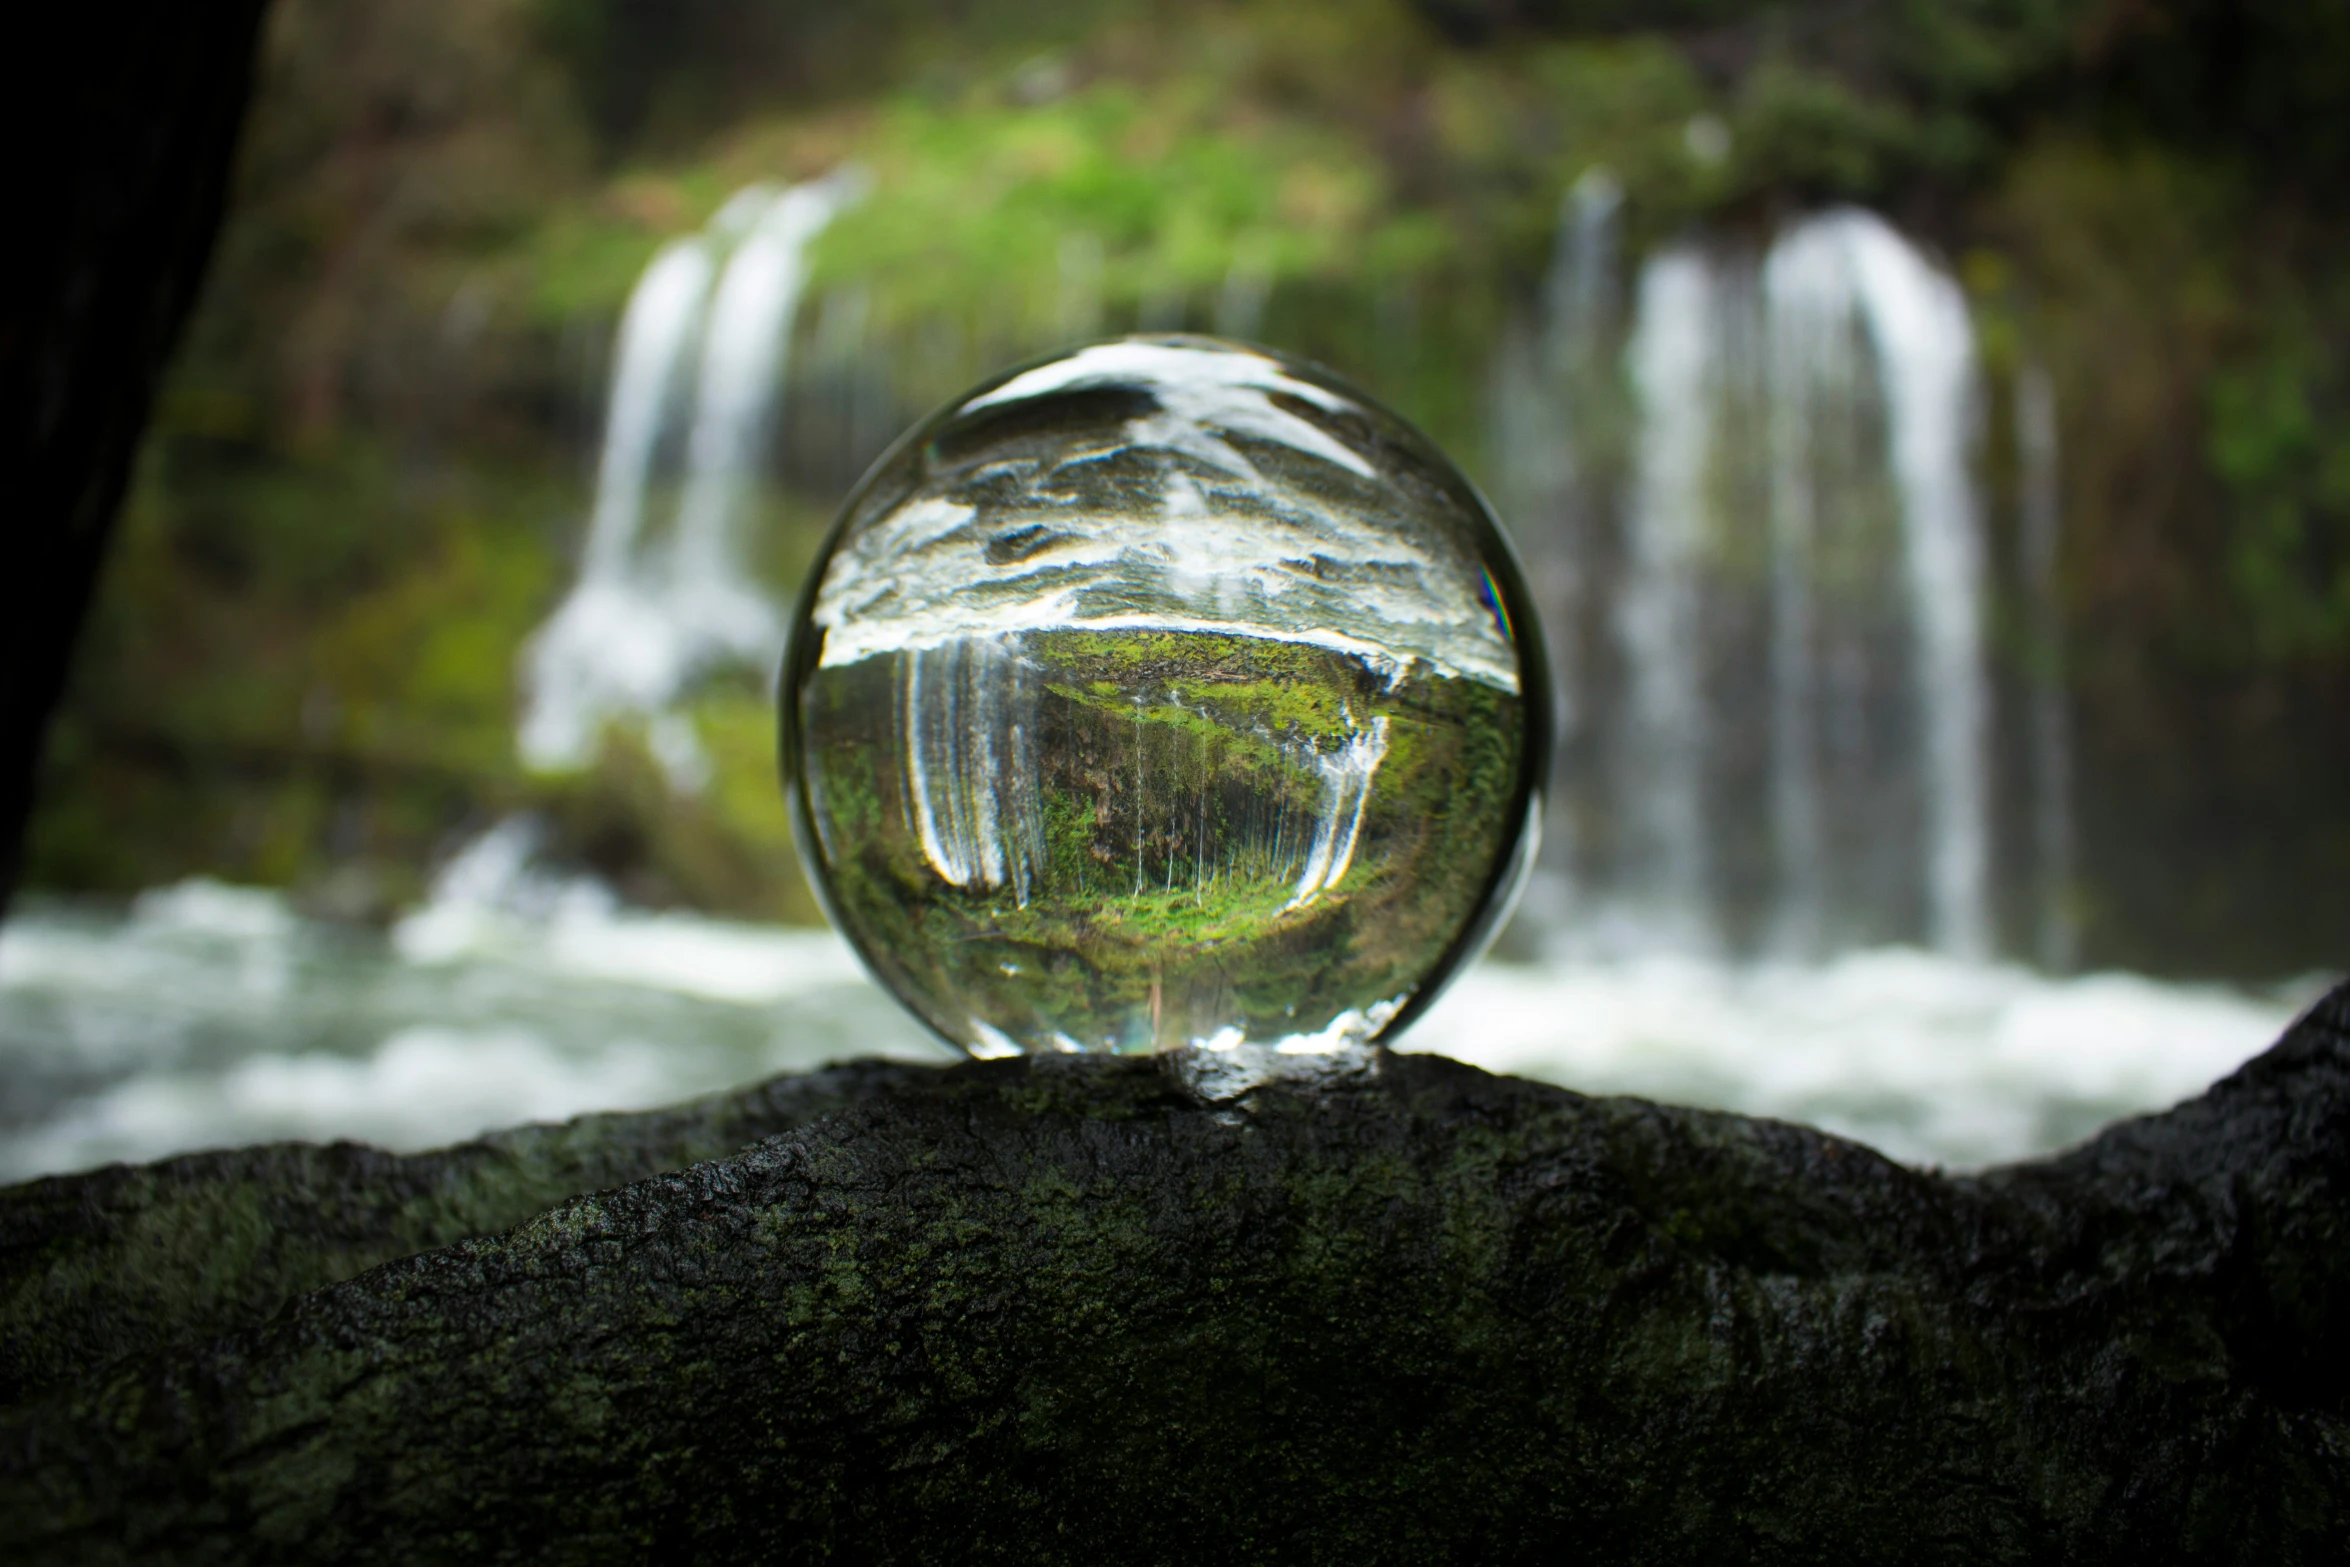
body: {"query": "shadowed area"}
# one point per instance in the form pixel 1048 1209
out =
pixel 135 108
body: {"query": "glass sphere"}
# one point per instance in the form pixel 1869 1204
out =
pixel 1167 692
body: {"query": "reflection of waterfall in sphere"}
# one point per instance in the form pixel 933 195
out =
pixel 1166 692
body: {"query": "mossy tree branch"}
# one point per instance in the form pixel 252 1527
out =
pixel 1060 1311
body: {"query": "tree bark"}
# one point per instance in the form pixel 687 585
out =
pixel 131 1259
pixel 1061 1310
pixel 126 119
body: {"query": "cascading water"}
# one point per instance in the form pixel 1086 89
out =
pixel 1555 385
pixel 1809 374
pixel 1926 358
pixel 1551 406
pixel 970 762
pixel 1346 788
pixel 702 346
pixel 1662 750
pixel 2051 736
pixel 1786 746
pixel 1822 280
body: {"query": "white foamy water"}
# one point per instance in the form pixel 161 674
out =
pixel 1926 1058
pixel 210 1016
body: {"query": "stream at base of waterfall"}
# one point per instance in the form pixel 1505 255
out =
pixel 205 1016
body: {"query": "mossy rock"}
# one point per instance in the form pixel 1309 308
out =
pixel 1064 1310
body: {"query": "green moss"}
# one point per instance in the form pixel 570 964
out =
pixel 1036 1310
pixel 1175 814
pixel 121 1262
pixel 2271 416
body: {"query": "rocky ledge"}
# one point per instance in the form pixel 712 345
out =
pixel 1066 1311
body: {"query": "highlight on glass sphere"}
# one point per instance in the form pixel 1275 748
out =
pixel 1165 693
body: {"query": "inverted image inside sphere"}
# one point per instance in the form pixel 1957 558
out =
pixel 1167 692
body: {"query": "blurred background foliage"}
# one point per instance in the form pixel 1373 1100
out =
pixel 367 481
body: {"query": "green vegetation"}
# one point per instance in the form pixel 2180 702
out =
pixel 367 477
pixel 1181 814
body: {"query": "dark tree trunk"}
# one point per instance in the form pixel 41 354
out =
pixel 124 119
pixel 1058 1310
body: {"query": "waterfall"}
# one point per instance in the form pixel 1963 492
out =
pixel 1662 797
pixel 702 349
pixel 744 355
pixel 1787 723
pixel 1822 279
pixel 1925 346
pixel 1547 402
pixel 1346 788
pixel 1554 412
pixel 654 333
pixel 1809 373
pixel 1578 295
pixel 2051 737
pixel 969 717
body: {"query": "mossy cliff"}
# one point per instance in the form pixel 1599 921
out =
pixel 1059 1310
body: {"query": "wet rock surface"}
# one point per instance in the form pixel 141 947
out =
pixel 1061 1310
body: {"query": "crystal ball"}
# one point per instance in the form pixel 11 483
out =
pixel 1165 693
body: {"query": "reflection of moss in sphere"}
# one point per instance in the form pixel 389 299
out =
pixel 1164 693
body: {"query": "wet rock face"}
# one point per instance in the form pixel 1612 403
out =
pixel 1061 1311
